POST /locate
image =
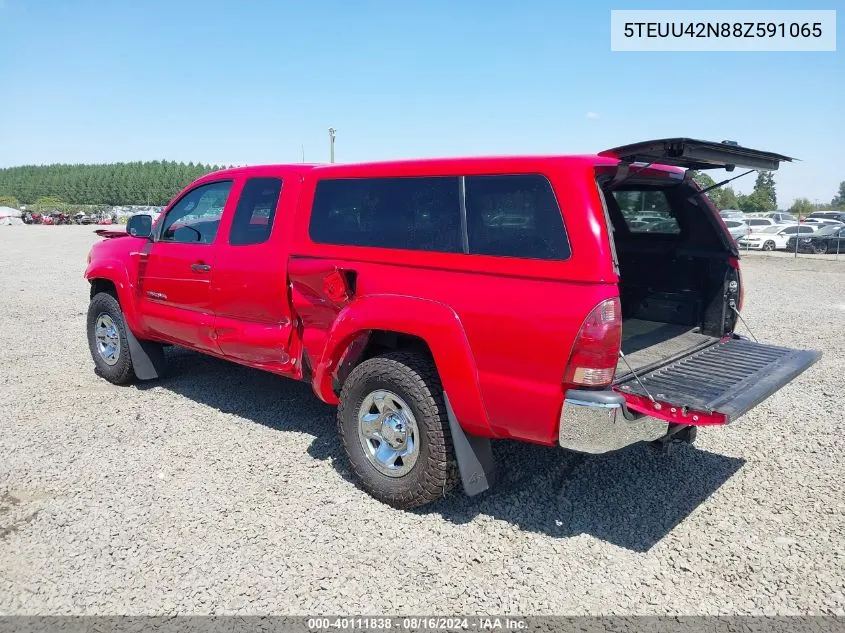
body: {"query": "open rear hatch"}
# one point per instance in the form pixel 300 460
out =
pixel 695 154
pixel 715 384
pixel 675 284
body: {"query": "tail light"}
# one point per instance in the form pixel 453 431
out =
pixel 734 263
pixel 596 350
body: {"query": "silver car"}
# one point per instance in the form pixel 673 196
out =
pixel 732 214
pixel 737 228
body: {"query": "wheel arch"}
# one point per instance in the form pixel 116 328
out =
pixel 112 277
pixel 380 322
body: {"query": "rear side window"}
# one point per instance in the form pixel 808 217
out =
pixel 256 211
pixel 514 216
pixel 647 211
pixel 420 214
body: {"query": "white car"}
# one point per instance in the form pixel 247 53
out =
pixel 732 214
pixel 757 223
pixel 774 237
pixel 648 217
pixel 781 217
pixel 737 228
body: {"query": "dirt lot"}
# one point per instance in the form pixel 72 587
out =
pixel 222 489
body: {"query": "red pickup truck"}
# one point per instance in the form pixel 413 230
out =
pixel 585 301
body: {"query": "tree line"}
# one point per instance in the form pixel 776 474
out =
pixel 152 183
pixel 763 197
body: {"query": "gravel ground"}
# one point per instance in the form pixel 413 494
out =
pixel 221 489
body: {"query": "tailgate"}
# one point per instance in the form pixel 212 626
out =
pixel 715 385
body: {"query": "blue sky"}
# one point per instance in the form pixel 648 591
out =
pixel 252 82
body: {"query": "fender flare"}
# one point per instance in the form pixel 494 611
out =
pixel 115 271
pixel 435 323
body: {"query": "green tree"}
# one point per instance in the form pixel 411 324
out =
pixel 764 191
pixel 722 197
pixel 9 201
pixel 155 182
pixel 702 179
pixel 838 201
pixel 50 203
pixel 802 207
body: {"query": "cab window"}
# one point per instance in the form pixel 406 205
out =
pixel 255 212
pixel 195 218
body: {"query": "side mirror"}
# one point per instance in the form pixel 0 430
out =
pixel 140 226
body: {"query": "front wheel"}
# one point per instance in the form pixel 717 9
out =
pixel 820 248
pixel 393 423
pixel 769 246
pixel 107 339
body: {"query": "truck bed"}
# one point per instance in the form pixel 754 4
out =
pixel 729 376
pixel 650 344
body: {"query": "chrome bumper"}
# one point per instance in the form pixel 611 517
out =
pixel 599 422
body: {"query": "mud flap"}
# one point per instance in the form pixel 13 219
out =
pixel 148 359
pixel 474 455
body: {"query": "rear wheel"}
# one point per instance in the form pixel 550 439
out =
pixel 393 423
pixel 820 248
pixel 107 339
pixel 769 246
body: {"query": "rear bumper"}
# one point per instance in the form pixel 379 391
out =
pixel 599 422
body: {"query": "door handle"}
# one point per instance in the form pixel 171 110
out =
pixel 200 268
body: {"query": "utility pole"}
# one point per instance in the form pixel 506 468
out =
pixel 332 132
pixel 302 147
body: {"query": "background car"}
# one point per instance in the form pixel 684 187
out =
pixel 774 237
pixel 781 217
pixel 821 222
pixel 828 239
pixel 757 223
pixel 839 216
pixel 737 228
pixel 732 214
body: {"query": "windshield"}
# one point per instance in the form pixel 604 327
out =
pixel 771 229
pixel 829 230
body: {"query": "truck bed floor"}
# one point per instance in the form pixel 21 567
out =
pixel 647 344
pixel 730 376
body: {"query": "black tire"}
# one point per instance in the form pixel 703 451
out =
pixel 413 377
pixel 121 371
pixel 820 248
pixel 769 246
